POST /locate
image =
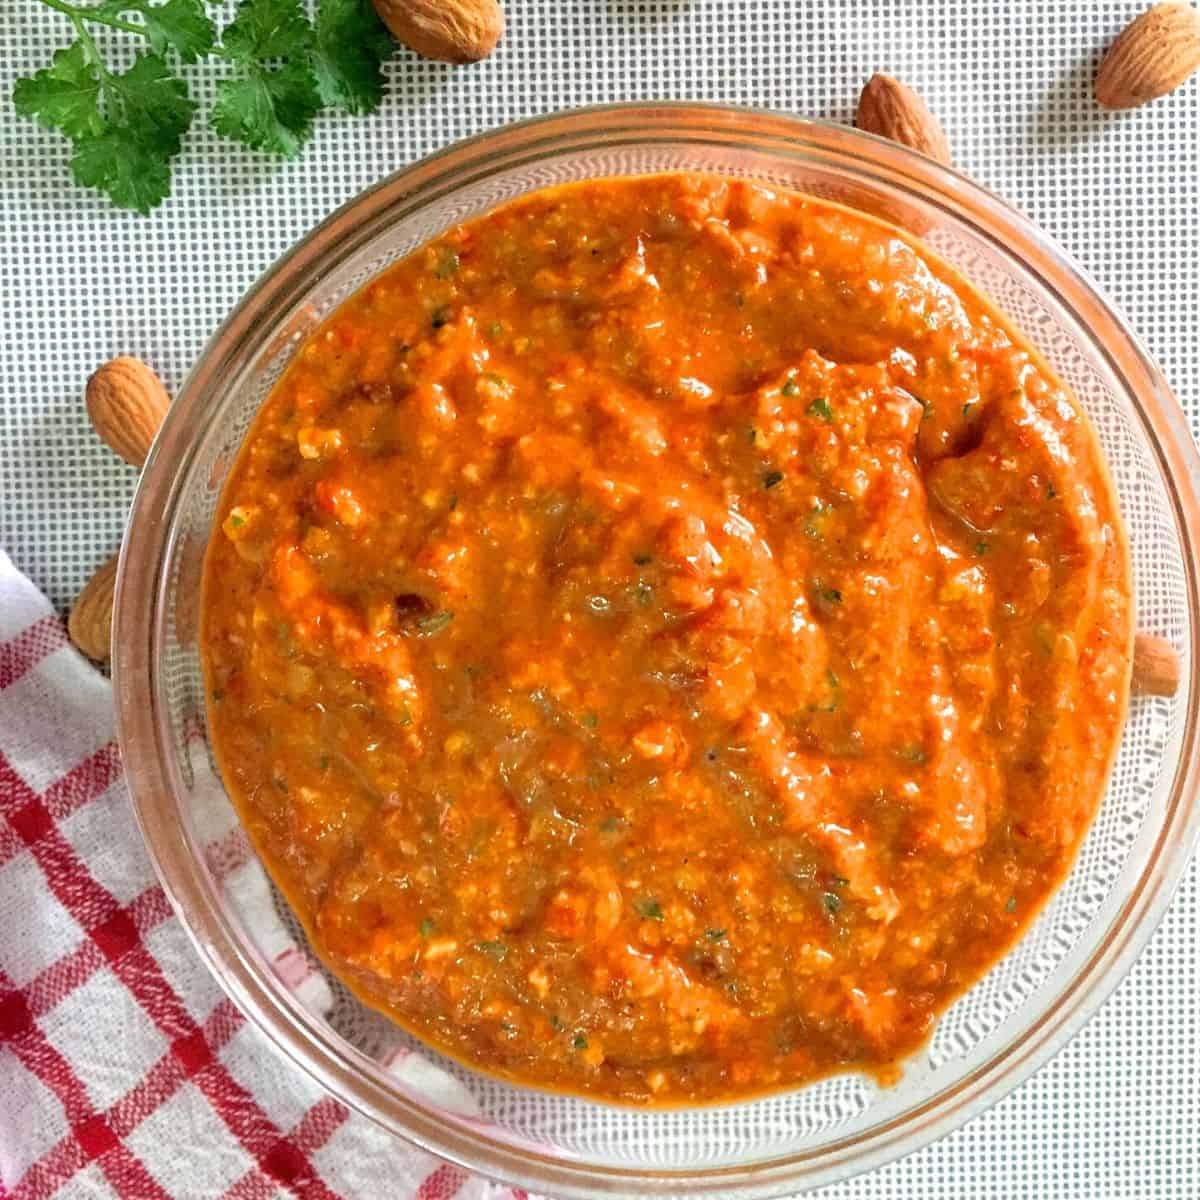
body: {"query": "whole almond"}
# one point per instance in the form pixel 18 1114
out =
pixel 127 403
pixel 1155 666
pixel 893 110
pixel 457 31
pixel 90 622
pixel 1152 56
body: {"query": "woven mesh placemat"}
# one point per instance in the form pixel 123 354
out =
pixel 1116 1114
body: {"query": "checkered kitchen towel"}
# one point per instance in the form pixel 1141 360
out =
pixel 124 1070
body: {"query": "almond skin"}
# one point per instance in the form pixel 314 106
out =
pixel 1152 56
pixel 127 403
pixel 1155 666
pixel 457 31
pixel 893 110
pixel 90 623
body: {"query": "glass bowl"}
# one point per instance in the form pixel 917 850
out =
pixel 996 1034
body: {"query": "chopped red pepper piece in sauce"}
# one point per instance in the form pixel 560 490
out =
pixel 670 636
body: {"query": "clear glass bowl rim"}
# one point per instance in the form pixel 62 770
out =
pixel 143 584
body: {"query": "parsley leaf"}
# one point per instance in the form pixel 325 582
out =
pixel 435 622
pixel 270 110
pixel 65 95
pixel 271 107
pixel 126 127
pixel 267 29
pixel 447 266
pixel 139 118
pixel 351 46
pixel 495 950
pixel 154 103
pixel 127 171
pixel 179 25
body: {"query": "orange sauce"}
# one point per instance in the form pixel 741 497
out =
pixel 667 638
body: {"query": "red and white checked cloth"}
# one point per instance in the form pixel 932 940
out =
pixel 124 1070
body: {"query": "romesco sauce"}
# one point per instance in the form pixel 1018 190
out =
pixel 666 639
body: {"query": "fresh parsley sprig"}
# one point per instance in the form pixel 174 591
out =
pixel 126 127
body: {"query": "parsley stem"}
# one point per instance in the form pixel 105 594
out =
pixel 79 13
pixel 89 46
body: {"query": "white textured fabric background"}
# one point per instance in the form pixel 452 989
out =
pixel 1117 1114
